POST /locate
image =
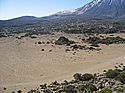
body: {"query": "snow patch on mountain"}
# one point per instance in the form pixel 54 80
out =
pixel 66 12
pixel 88 6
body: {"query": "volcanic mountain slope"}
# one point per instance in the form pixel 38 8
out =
pixel 99 9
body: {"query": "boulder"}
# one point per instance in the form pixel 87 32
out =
pixel 63 41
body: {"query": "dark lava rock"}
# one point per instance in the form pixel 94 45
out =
pixel 63 41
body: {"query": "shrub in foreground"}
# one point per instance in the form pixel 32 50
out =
pixel 105 90
pixel 88 88
pixel 87 77
pixel 77 76
pixel 70 89
pixel 112 73
pixel 121 77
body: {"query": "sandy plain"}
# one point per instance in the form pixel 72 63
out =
pixel 24 66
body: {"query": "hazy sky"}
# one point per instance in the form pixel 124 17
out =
pixel 16 8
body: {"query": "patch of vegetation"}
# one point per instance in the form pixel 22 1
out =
pixel 108 40
pixel 119 89
pixel 71 26
pixel 121 77
pixel 70 89
pixel 87 77
pixel 77 76
pixel 106 90
pixel 84 77
pixel 84 47
pixel 112 73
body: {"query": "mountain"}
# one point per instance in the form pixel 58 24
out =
pixel 98 9
pixel 94 13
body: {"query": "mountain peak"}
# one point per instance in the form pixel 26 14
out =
pixel 100 9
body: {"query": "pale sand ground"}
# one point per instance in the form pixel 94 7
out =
pixel 24 66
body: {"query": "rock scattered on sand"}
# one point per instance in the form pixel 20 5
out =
pixel 63 41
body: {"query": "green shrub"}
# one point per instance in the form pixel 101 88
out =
pixel 112 73
pixel 108 40
pixel 77 76
pixel 91 88
pixel 87 77
pixel 105 90
pixel 94 45
pixel 81 88
pixel 70 89
pixel 121 77
pixel 88 88
pixel 119 89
